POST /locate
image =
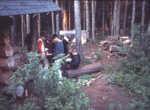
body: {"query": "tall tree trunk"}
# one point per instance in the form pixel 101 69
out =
pixel 142 40
pixel 69 15
pixel 57 20
pixel 35 32
pixel 53 23
pixel 143 13
pixel 87 18
pixel 78 26
pixel 111 16
pixel 116 19
pixel 13 30
pixel 38 25
pixel 22 30
pixel 93 19
pixel 28 23
pixel 84 15
pixel 125 16
pixel 133 19
pixel 103 21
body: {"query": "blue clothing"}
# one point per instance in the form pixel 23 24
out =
pixel 58 48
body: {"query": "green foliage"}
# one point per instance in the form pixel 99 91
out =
pixel 100 37
pixel 115 106
pixel 108 68
pixel 98 54
pixel 133 73
pixel 119 43
pixel 4 102
pixel 48 90
pixel 86 61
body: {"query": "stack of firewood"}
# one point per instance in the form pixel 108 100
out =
pixel 110 43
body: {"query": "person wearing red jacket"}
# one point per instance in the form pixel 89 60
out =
pixel 41 47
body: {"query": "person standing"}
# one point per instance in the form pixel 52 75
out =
pixel 42 50
pixel 58 46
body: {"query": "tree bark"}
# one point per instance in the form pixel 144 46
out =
pixel 38 25
pixel 87 18
pixel 13 30
pixel 116 19
pixel 22 29
pixel 57 20
pixel 53 23
pixel 28 23
pixel 103 21
pixel 142 39
pixel 93 19
pixel 143 13
pixel 111 16
pixel 125 16
pixel 78 26
pixel 88 69
pixel 35 32
pixel 133 19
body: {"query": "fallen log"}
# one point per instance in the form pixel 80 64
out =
pixel 88 69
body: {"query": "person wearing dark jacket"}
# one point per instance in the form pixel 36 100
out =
pixel 65 42
pixel 75 59
pixel 58 46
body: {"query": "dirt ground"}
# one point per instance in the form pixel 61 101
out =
pixel 103 95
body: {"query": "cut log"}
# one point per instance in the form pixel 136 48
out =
pixel 114 48
pixel 88 69
pixel 124 38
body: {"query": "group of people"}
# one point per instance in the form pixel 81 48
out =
pixel 50 47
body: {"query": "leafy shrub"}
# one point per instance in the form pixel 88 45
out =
pixel 119 43
pixel 108 68
pixel 86 61
pixel 47 90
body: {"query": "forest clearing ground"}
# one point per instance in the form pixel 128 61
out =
pixel 100 92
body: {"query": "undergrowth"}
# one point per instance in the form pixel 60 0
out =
pixel 46 89
pixel 134 74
